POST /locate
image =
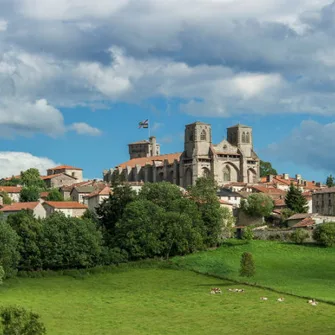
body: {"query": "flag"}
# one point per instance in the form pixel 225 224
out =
pixel 144 124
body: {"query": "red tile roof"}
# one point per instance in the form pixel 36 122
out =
pixel 307 222
pixel 326 190
pixel 271 190
pixel 44 194
pixel 18 206
pixel 65 204
pixel 142 161
pixel 10 189
pixel 104 191
pixel 65 167
pixel 12 177
pixel 279 202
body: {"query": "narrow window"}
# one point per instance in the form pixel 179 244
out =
pixel 203 136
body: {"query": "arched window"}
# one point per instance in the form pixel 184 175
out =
pixel 203 135
pixel 191 136
pixel 226 173
pixel 243 138
pixel 248 137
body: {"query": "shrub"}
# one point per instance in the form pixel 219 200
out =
pixel 2 274
pixel 299 236
pixel 324 234
pixel 18 321
pixel 248 234
pixel 247 265
pixel 257 204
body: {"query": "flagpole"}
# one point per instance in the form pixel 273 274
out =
pixel 149 128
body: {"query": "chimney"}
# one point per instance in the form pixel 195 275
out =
pixel 269 178
pixel 286 176
pixel 298 177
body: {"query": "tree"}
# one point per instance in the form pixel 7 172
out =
pixel 6 199
pixel 162 194
pixel 2 274
pixel 330 181
pixel 31 177
pixel 257 204
pixel 324 234
pixel 247 265
pixel 9 255
pixel 30 194
pixel 204 193
pixel 111 210
pixel 295 201
pixel 266 169
pixel 68 242
pixel 29 230
pixel 11 182
pixel 55 195
pixel 18 321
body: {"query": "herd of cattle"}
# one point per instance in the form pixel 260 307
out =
pixel 217 290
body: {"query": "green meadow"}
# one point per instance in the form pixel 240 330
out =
pixel 305 270
pixel 162 301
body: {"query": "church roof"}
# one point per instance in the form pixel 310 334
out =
pixel 199 122
pixel 239 126
pixel 142 161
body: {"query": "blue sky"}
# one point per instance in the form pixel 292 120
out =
pixel 77 76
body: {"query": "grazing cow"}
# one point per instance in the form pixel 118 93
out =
pixel 216 290
pixel 312 302
pixel 264 298
pixel 280 299
pixel 240 290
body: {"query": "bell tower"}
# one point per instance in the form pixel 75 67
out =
pixel 241 137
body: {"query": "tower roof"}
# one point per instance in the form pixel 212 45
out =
pixel 239 126
pixel 198 122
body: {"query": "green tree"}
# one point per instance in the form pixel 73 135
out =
pixel 330 181
pixel 257 204
pixel 31 177
pixel 111 210
pixel 11 182
pixel 29 230
pixel 55 195
pixel 204 193
pixel 295 201
pixel 266 169
pixel 9 255
pixel 140 228
pixel 30 194
pixel 68 242
pixel 162 194
pixel 2 274
pixel 6 199
pixel 247 265
pixel 324 234
pixel 248 234
pixel 18 321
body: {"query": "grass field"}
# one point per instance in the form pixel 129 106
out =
pixel 161 301
pixel 303 270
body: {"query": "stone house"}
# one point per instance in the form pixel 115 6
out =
pixel 1 200
pixel 36 207
pixel 76 173
pixel 79 193
pixel 12 191
pixel 296 218
pixel 58 180
pixel 69 208
pixel 230 197
pixel 231 160
pixel 97 197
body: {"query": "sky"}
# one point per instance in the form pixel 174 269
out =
pixel 77 76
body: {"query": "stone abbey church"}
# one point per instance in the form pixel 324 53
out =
pixel 231 160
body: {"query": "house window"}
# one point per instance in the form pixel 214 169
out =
pixel 203 136
pixel 226 174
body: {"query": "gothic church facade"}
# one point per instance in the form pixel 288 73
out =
pixel 231 160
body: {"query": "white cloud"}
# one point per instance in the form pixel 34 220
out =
pixel 12 163
pixel 82 128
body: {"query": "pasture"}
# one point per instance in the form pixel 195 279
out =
pixel 305 270
pixel 161 301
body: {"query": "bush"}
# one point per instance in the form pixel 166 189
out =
pixel 299 236
pixel 2 274
pixel 248 234
pixel 18 321
pixel 257 204
pixel 247 265
pixel 324 234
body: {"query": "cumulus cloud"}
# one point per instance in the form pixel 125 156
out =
pixel 3 25
pixel 311 144
pixel 82 128
pixel 12 163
